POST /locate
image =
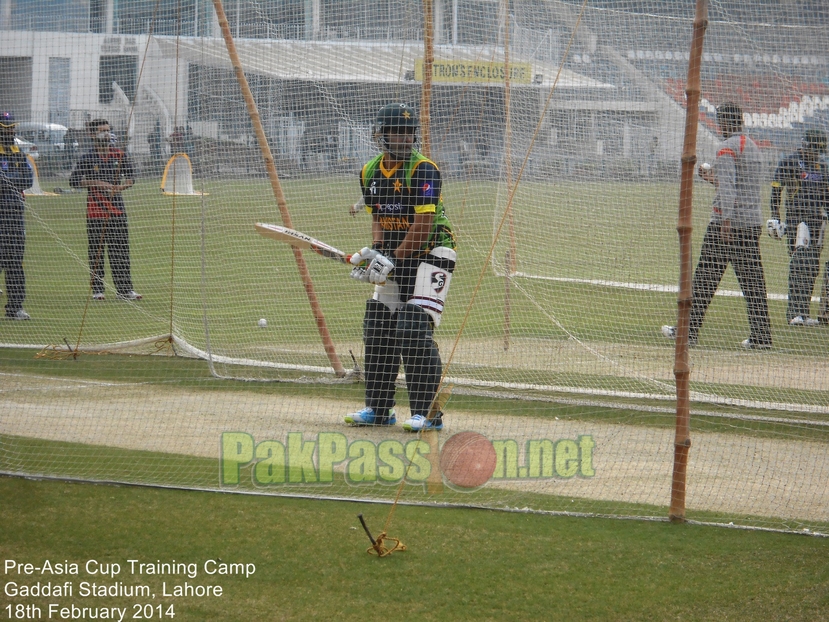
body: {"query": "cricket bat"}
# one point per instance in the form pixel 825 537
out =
pixel 301 240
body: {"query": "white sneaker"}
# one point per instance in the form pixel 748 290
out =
pixel 98 296
pixel 670 333
pixel 367 416
pixel 801 320
pixel 130 295
pixel 418 422
pixel 748 344
pixel 20 314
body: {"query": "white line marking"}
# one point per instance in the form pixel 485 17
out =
pixel 649 287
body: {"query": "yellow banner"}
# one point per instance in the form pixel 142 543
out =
pixel 475 71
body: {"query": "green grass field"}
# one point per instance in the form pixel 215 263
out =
pixel 613 232
pixel 461 564
pixel 203 270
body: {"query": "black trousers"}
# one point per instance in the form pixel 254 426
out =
pixel 824 296
pixel 743 252
pixel 405 336
pixel 12 246
pixel 804 264
pixel 110 236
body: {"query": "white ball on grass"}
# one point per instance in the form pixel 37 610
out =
pixel 263 323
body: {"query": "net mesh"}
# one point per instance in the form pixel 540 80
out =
pixel 558 130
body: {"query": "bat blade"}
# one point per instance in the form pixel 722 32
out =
pixel 301 240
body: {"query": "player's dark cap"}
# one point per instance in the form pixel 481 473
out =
pixel 395 116
pixel 815 140
pixel 729 114
pixel 7 119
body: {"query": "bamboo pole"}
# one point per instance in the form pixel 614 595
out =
pixel 305 275
pixel 507 301
pixel 511 254
pixel 508 135
pixel 426 91
pixel 434 483
pixel 682 366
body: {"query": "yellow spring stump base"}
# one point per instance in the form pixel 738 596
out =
pixel 380 549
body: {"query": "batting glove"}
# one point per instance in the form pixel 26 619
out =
pixel 379 269
pixel 364 255
pixel 359 274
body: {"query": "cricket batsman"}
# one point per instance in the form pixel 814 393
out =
pixel 410 262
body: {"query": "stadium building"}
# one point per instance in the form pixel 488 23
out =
pixel 319 69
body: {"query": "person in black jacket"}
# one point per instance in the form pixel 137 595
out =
pixel 15 177
pixel 805 181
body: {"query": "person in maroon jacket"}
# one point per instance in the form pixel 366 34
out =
pixel 106 171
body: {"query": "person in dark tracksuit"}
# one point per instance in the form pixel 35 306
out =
pixel 15 177
pixel 733 233
pixel 410 262
pixel 106 171
pixel 805 180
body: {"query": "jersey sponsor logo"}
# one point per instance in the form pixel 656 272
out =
pixel 811 176
pixel 373 187
pixel 390 208
pixel 438 281
pixel 427 190
pixel 394 223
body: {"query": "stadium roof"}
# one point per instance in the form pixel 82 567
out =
pixel 342 61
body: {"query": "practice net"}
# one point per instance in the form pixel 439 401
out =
pixel 558 128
